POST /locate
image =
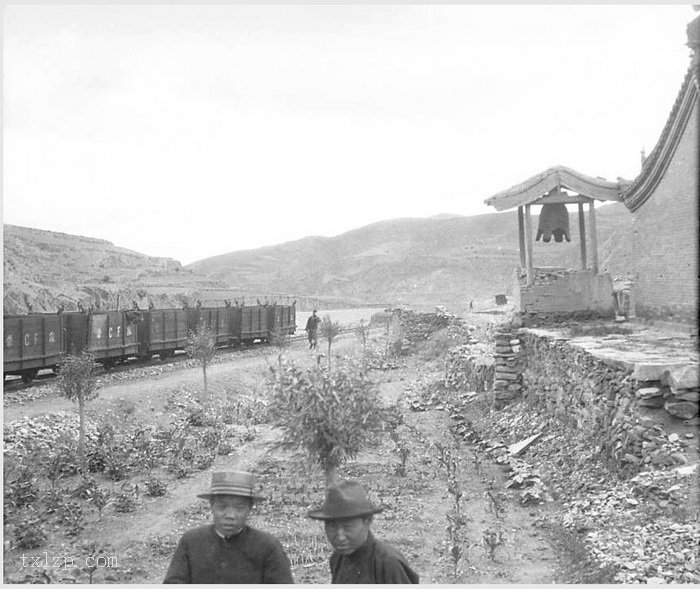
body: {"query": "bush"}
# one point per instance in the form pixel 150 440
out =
pixel 155 487
pixel 29 530
pixel 20 484
pixel 85 488
pixel 62 458
pixel 329 415
pixel 70 516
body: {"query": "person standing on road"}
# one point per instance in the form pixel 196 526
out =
pixel 358 557
pixel 229 550
pixel 312 329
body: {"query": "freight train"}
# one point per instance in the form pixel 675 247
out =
pixel 38 340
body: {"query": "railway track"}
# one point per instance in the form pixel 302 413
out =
pixel 15 383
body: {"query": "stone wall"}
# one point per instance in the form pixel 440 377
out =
pixel 597 395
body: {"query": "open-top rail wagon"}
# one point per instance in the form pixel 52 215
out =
pixel 36 341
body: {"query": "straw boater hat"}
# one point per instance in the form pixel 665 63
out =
pixel 344 500
pixel 241 484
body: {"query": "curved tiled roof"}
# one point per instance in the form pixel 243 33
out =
pixel 533 188
pixel 660 157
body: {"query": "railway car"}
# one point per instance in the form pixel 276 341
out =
pixel 36 341
pixel 110 336
pixel 281 319
pixel 220 320
pixel 31 343
pixel 162 332
pixel 254 323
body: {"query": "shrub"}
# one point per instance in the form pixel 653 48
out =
pixel 63 459
pixel 20 484
pixel 201 416
pixel 155 487
pixel 29 530
pixel 329 415
pixel 70 516
pixel 85 488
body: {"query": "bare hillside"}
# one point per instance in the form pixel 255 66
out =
pixel 44 270
pixel 440 260
pixel 447 259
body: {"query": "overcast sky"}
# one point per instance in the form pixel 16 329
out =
pixel 188 131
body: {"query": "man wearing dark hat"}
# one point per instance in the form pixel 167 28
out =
pixel 358 557
pixel 229 550
pixel 312 329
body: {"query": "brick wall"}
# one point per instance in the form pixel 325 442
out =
pixel 666 239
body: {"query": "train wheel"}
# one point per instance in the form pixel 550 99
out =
pixel 29 375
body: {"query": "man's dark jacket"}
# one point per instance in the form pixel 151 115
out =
pixel 373 562
pixel 251 556
pixel 312 323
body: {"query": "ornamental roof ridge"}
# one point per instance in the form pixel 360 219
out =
pixel 660 157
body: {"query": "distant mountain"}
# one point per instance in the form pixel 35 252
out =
pixel 440 260
pixel 443 260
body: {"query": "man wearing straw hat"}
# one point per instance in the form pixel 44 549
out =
pixel 229 550
pixel 358 557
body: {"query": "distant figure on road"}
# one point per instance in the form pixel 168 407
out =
pixel 471 305
pixel 358 557
pixel 229 550
pixel 312 330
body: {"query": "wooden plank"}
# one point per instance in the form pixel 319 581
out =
pixel 528 244
pixel 521 236
pixel 594 238
pixel 561 197
pixel 582 234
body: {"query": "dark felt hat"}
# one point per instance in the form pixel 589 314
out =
pixel 344 500
pixel 241 484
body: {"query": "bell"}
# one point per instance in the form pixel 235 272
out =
pixel 554 220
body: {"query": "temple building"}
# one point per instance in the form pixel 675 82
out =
pixel 664 202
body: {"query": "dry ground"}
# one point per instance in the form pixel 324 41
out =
pixel 416 503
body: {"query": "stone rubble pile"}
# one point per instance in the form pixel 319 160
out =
pixel 469 368
pixel 418 327
pixel 631 524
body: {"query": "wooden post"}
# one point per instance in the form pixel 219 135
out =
pixel 521 237
pixel 582 234
pixel 528 244
pixel 594 238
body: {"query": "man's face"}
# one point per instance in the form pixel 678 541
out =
pixel 230 513
pixel 347 535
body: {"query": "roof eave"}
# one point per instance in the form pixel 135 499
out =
pixel 560 176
